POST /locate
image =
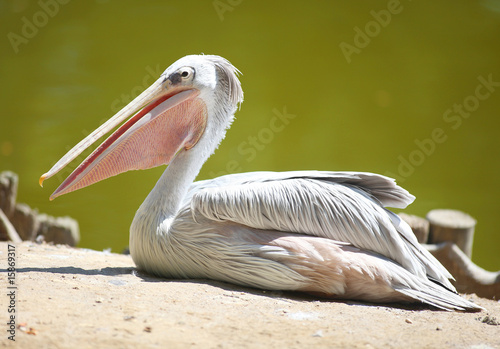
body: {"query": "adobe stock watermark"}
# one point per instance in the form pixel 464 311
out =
pixel 254 144
pixel 31 26
pixel 12 291
pixel 151 75
pixel 223 6
pixel 363 36
pixel 454 118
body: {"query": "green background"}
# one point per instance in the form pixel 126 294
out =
pixel 66 67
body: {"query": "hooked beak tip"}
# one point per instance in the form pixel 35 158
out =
pixel 42 178
pixel 40 181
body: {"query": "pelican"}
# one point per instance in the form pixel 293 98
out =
pixel 318 232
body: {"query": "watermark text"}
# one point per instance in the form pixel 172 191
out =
pixel 30 26
pixel 364 35
pixel 11 292
pixel 454 118
pixel 252 145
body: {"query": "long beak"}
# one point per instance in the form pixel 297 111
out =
pixel 172 118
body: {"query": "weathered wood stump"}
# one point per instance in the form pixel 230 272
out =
pixel 25 220
pixel 8 192
pixel 454 226
pixel 60 230
pixel 469 278
pixel 7 230
pixel 419 225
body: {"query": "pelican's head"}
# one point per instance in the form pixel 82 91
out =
pixel 193 100
pixel 213 76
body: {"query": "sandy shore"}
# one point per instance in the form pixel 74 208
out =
pixel 77 298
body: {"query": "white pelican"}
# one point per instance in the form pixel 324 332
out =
pixel 324 233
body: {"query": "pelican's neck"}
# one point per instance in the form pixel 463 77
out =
pixel 154 217
pixel 166 197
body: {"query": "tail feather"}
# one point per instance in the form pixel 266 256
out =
pixel 425 289
pixel 439 297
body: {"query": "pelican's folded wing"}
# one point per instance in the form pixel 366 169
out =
pixel 343 206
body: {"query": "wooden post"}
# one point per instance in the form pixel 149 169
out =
pixel 454 226
pixel 419 225
pixel 7 231
pixel 469 278
pixel 8 192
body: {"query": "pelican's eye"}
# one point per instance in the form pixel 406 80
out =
pixel 186 73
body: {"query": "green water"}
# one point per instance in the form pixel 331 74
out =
pixel 397 88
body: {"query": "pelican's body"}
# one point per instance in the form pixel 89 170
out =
pixel 320 232
pixel 251 228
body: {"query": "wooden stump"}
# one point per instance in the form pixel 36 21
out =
pixel 419 225
pixel 59 230
pixel 454 226
pixel 469 278
pixel 7 231
pixel 8 192
pixel 25 220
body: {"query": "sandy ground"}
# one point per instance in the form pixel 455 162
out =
pixel 77 298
